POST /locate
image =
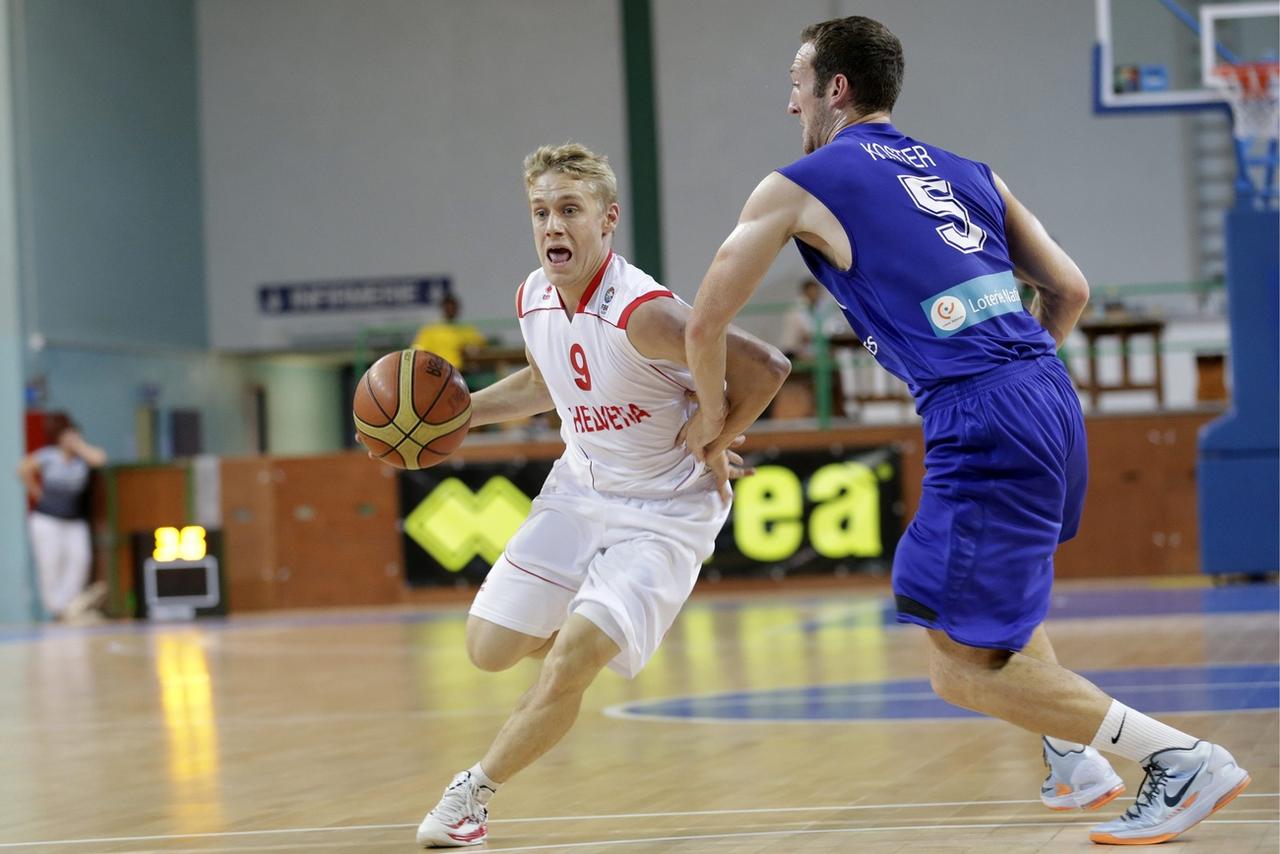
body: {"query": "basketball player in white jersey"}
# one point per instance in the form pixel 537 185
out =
pixel 612 547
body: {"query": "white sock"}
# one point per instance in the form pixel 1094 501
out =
pixel 485 788
pixel 1063 747
pixel 1135 736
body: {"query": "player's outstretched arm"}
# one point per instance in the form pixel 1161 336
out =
pixel 519 395
pixel 768 221
pixel 1061 289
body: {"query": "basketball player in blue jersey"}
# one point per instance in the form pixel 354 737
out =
pixel 922 249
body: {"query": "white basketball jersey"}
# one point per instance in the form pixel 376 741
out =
pixel 619 411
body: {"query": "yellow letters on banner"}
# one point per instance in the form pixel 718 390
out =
pixel 768 514
pixel 846 520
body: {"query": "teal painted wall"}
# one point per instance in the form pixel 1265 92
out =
pixel 106 112
pixel 101 391
pixel 16 590
pixel 109 158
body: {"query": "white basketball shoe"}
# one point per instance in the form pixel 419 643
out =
pixel 1078 779
pixel 1183 787
pixel 460 819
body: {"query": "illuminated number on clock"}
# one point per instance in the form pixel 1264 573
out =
pixel 933 195
pixel 578 361
pixel 186 544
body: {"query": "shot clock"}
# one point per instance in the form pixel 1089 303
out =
pixel 177 573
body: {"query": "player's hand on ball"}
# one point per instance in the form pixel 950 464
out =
pixel 360 442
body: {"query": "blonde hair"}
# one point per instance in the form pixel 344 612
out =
pixel 576 161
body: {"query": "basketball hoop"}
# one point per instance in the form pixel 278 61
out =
pixel 1251 88
pixel 1253 91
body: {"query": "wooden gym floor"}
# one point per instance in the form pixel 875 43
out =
pixel 797 723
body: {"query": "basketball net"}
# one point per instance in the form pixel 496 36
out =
pixel 1253 90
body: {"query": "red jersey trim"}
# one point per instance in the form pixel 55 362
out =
pixel 602 319
pixel 535 575
pixel 595 284
pixel 675 382
pixel 520 300
pixel 637 302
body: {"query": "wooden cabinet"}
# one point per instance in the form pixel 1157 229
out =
pixel 1140 516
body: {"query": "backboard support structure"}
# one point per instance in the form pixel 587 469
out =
pixel 1162 56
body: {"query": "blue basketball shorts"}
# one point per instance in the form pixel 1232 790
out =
pixel 1006 469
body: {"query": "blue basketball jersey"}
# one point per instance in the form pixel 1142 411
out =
pixel 931 292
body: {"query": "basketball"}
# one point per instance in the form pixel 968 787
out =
pixel 412 409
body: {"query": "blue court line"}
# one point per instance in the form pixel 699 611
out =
pixel 1214 687
pixel 1117 602
pixel 1156 601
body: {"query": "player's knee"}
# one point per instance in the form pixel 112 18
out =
pixel 490 653
pixel 563 675
pixel 490 658
pixel 961 681
pixel 493 648
pixel 945 684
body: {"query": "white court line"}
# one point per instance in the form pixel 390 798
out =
pixel 620 712
pixel 913 828
pixel 598 817
pixel 710 836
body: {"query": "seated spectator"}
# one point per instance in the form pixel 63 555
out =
pixel 447 338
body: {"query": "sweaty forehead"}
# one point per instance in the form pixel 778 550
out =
pixel 804 57
pixel 555 185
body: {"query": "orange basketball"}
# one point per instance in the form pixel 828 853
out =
pixel 412 409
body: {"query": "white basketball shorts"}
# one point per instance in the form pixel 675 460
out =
pixel 626 564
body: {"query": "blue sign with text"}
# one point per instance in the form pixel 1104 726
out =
pixel 352 294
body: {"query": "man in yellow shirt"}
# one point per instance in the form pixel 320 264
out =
pixel 447 338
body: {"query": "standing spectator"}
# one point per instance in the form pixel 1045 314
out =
pixel 57 479
pixel 447 338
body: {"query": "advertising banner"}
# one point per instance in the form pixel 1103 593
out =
pixel 834 510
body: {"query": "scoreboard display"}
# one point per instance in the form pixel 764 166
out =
pixel 177 573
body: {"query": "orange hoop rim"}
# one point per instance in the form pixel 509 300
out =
pixel 1253 80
